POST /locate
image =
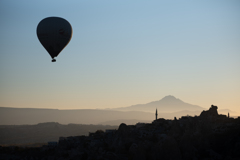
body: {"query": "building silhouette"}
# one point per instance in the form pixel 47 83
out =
pixel 156 114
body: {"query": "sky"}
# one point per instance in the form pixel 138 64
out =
pixel 122 53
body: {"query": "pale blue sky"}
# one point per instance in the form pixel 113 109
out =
pixel 122 53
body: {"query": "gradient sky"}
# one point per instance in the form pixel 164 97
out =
pixel 122 53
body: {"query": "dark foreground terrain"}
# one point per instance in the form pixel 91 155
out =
pixel 44 132
pixel 204 137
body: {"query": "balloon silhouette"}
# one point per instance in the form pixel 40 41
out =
pixel 54 33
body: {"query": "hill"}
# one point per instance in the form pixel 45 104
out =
pixel 44 132
pixel 21 116
pixel 30 116
pixel 207 136
pixel 167 104
pixel 168 107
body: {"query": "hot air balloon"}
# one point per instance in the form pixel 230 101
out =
pixel 54 33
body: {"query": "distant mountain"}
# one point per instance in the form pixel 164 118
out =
pixel 20 116
pixel 126 121
pixel 166 104
pixel 168 108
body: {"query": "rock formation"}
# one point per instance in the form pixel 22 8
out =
pixel 212 112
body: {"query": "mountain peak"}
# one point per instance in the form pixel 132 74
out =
pixel 166 104
pixel 169 97
pixel 171 100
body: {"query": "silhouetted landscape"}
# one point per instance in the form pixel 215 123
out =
pixel 44 132
pixel 131 80
pixel 168 108
pixel 209 135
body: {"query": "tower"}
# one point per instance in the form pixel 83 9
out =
pixel 156 114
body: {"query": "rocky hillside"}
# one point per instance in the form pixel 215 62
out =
pixel 204 137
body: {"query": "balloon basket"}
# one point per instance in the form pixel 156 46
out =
pixel 54 60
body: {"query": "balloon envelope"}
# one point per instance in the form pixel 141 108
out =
pixel 54 33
